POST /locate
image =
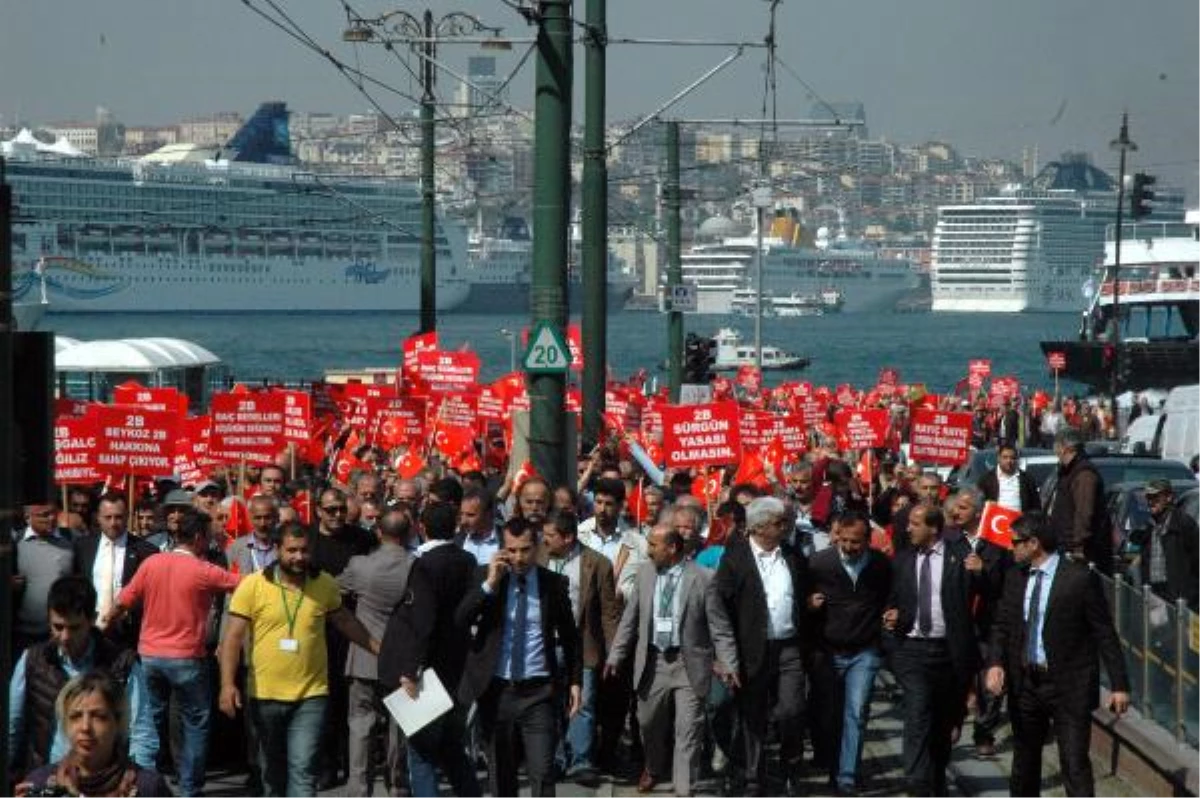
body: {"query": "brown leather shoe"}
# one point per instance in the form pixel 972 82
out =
pixel 645 782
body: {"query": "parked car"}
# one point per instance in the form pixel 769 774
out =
pixel 1118 468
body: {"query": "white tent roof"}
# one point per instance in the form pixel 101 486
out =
pixel 25 142
pixel 62 342
pixel 64 147
pixel 134 355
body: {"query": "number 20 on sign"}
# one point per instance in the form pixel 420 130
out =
pixel 547 353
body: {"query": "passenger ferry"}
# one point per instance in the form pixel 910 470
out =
pixel 1156 304
pixel 733 353
pixel 864 276
pixel 240 228
pixel 500 271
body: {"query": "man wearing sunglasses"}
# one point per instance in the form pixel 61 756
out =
pixel 1052 628
pixel 332 547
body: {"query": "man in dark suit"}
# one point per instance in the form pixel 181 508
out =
pixel 1052 624
pixel 764 585
pixel 109 560
pixel 1008 485
pixel 522 615
pixel 597 610
pixel 934 650
pixel 422 635
pixel 988 564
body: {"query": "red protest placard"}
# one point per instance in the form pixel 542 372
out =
pixel 937 437
pixel 161 399
pixel 297 416
pixel 792 432
pixel 246 427
pixel 846 395
pixel 413 345
pixel 863 429
pixel 198 430
pixel 756 428
pixel 76 441
pixel 397 419
pixel 705 434
pixel 448 372
pixel 1057 361
pixel 977 371
pixel 812 411
pixel 456 410
pixel 135 441
pixel 749 378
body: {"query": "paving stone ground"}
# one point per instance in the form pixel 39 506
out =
pixel 882 767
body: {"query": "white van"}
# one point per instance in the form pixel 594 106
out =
pixel 1179 437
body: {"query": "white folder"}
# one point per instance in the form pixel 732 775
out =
pixel 414 714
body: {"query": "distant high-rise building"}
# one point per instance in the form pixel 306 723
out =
pixel 484 88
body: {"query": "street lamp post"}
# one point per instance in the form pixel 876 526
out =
pixel 1122 144
pixel 762 200
pixel 423 35
pixel 512 349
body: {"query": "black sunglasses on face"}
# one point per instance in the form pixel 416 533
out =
pixel 336 508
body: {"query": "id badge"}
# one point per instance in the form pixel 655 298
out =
pixel 289 645
pixel 664 625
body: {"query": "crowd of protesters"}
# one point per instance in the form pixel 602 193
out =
pixel 638 623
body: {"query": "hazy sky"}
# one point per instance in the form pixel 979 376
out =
pixel 991 76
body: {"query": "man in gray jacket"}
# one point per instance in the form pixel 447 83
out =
pixel 682 636
pixel 378 581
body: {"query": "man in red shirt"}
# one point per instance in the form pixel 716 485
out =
pixel 177 589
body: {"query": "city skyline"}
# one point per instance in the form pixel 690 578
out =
pixel 992 81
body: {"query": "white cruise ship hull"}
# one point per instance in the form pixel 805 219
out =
pixel 215 284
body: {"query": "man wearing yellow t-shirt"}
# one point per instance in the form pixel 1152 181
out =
pixel 283 610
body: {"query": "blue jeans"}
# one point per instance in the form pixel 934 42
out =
pixel 289 733
pixel 575 749
pixel 441 744
pixel 857 673
pixel 187 680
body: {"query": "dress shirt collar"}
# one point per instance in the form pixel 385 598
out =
pixel 430 545
pixel 759 551
pixel 1048 567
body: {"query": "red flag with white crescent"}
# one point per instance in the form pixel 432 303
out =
pixel 995 524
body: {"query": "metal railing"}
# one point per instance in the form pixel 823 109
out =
pixel 1161 642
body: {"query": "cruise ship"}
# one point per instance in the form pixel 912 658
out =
pixel 1030 248
pixel 861 277
pixel 500 270
pixel 234 229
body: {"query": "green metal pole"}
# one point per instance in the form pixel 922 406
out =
pixel 594 198
pixel 551 218
pixel 428 235
pixel 671 196
pixel 8 510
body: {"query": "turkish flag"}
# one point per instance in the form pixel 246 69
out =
pixel 302 504
pixel 238 523
pixel 707 487
pixel 636 508
pixel 995 524
pixel 751 470
pixel 345 464
pixel 452 440
pixel 773 456
pixel 409 464
pixel 525 473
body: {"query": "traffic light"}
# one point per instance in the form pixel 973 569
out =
pixel 1141 199
pixel 699 356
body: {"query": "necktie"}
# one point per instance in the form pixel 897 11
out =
pixel 1034 624
pixel 662 639
pixel 925 595
pixel 108 556
pixel 518 631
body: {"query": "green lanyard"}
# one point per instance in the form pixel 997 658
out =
pixel 290 613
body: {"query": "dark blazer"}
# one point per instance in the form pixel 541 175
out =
pixel 1077 511
pixel 599 607
pixel 850 618
pixel 989 486
pixel 1180 545
pixel 137 551
pixel 741 590
pixel 1076 627
pixel 421 632
pixel 485 613
pixel 959 589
